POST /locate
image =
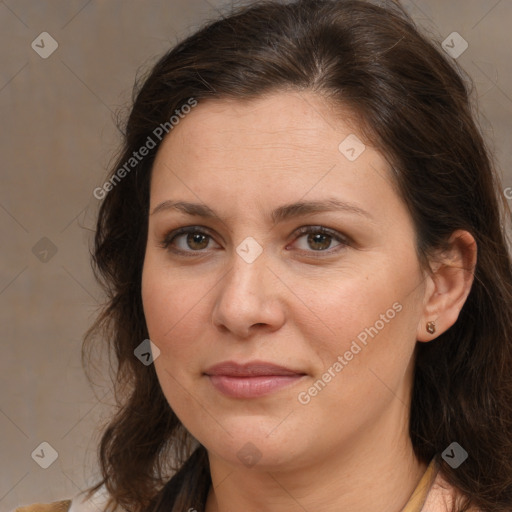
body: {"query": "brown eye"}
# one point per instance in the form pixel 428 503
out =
pixel 196 241
pixel 320 239
pixel 186 240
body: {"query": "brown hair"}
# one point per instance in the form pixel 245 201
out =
pixel 412 103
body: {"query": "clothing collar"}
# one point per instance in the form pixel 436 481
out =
pixel 419 495
pixel 415 503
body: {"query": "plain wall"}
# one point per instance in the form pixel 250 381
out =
pixel 57 139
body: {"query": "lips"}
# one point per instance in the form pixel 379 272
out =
pixel 251 369
pixel 251 380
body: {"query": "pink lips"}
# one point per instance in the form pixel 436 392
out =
pixel 252 379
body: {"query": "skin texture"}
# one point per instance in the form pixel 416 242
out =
pixel 299 304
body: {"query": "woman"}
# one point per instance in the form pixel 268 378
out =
pixel 306 224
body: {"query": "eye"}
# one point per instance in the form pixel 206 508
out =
pixel 319 239
pixel 192 240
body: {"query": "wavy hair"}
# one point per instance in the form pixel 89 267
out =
pixel 414 104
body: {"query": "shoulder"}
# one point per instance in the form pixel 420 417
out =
pixel 56 506
pixel 76 504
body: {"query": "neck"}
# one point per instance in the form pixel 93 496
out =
pixel 374 470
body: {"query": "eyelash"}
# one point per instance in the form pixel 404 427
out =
pixel 171 236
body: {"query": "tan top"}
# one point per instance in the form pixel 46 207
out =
pixel 56 506
pixel 419 495
pixel 432 494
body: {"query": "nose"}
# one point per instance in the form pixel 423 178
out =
pixel 248 299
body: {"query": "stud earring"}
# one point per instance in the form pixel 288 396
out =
pixel 431 327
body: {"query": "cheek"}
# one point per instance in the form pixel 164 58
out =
pixel 176 325
pixel 369 321
pixel 356 307
pixel 171 310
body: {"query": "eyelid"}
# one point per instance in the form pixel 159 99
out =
pixel 323 230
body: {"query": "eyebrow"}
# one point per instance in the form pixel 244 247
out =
pixel 280 214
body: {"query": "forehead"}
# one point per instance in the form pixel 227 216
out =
pixel 287 118
pixel 282 131
pixel 274 149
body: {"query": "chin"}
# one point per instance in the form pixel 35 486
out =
pixel 254 442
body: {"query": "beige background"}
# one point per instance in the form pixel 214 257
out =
pixel 58 137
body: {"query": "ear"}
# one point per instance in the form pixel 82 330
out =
pixel 448 285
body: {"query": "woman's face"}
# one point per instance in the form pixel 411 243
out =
pixel 340 311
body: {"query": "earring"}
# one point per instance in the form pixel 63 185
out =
pixel 431 327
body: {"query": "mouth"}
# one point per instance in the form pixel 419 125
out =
pixel 250 380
